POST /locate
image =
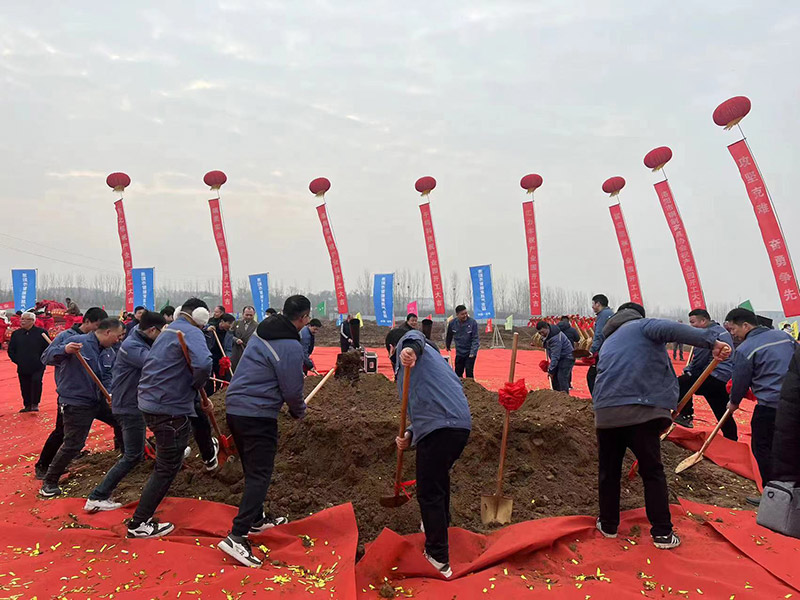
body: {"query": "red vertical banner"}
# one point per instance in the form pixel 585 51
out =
pixel 533 258
pixel 433 259
pixel 336 265
pixel 771 232
pixel 625 249
pixel 222 247
pixel 682 246
pixel 127 260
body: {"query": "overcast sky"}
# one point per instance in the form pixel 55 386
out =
pixel 374 95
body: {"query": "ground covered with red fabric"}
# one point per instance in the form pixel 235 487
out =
pixel 52 549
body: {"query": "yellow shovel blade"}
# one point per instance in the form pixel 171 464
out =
pixel 496 509
pixel 687 463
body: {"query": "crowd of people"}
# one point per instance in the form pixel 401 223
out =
pixel 155 371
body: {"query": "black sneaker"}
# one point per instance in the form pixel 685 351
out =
pixel 40 471
pixel 240 550
pixel 753 500
pixel 605 534
pixel 50 490
pixel 150 529
pixel 25 409
pixel 265 523
pixel 35 408
pixel 685 421
pixel 666 542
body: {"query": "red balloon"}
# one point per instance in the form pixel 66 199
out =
pixel 319 186
pixel 613 185
pixel 531 182
pixel 215 179
pixel 118 181
pixel 657 158
pixel 729 113
pixel 424 185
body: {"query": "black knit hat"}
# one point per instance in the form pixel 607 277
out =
pixel 637 307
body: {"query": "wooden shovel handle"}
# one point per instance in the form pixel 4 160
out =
pixel 696 385
pixel 401 432
pixel 206 404
pixel 711 437
pixel 221 349
pixel 507 419
pixel 318 387
pixel 94 377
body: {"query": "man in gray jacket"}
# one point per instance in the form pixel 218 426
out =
pixel 269 375
pixel 559 354
pixel 633 399
pixel 602 314
pixel 464 330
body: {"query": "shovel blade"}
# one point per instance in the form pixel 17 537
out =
pixel 667 432
pixel 496 509
pixel 687 463
pixel 581 353
pixel 393 501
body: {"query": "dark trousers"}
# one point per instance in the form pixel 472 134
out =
pixel 133 434
pixel 465 362
pixel 562 378
pixel 591 375
pixel 677 349
pixel 53 443
pixel 201 430
pixel 172 436
pixel 436 454
pixel 30 385
pixel 643 440
pixel 762 430
pixel 256 439
pixel 77 421
pixel 716 394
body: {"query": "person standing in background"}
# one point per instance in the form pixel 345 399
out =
pixel 25 350
pixel 240 333
pixel 602 314
pixel 307 340
pixel 464 330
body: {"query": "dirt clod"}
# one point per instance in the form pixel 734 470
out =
pixel 348 366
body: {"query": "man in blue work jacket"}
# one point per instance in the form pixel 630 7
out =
pixel 79 399
pixel 269 375
pixel 91 319
pixel 464 330
pixel 714 388
pixel 760 363
pixel 559 353
pixel 125 374
pixel 168 396
pixel 602 315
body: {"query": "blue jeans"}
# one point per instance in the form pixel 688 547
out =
pixel 133 434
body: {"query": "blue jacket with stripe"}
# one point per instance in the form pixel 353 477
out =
pixel 760 363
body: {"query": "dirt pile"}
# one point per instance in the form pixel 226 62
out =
pixel 344 452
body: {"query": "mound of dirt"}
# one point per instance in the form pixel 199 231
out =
pixel 344 452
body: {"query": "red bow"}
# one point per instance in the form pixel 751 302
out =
pixel 224 366
pixel 749 395
pixel 589 360
pixel 512 395
pixel 544 365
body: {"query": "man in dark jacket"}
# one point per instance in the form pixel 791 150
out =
pixel 90 322
pixel 345 335
pixel 79 398
pixel 559 353
pixel 222 331
pixel 635 394
pixel 307 339
pixel 602 315
pixel 714 388
pixel 464 330
pixel 269 375
pixel 25 350
pixel 241 332
pixel 786 442
pixel 440 425
pixel 126 373
pixel 568 330
pixel 134 322
pixel 760 363
pixel 168 397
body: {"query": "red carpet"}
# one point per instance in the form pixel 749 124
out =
pixel 52 549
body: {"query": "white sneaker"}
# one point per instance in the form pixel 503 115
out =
pixel 187 453
pixel 241 551
pixel 600 529
pixel 93 506
pixel 213 463
pixel 443 568
pixel 265 523
pixel 149 529
pixel 666 542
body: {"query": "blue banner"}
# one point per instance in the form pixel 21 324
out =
pixel 259 287
pixel 24 282
pixel 482 297
pixel 144 287
pixel 383 298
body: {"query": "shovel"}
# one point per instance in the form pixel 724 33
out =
pixel 219 344
pixel 581 353
pixel 318 387
pixel 684 401
pixel 695 458
pixel 497 508
pixel 398 499
pixel 225 441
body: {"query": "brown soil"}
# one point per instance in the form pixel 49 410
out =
pixel 348 366
pixel 373 335
pixel 344 452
